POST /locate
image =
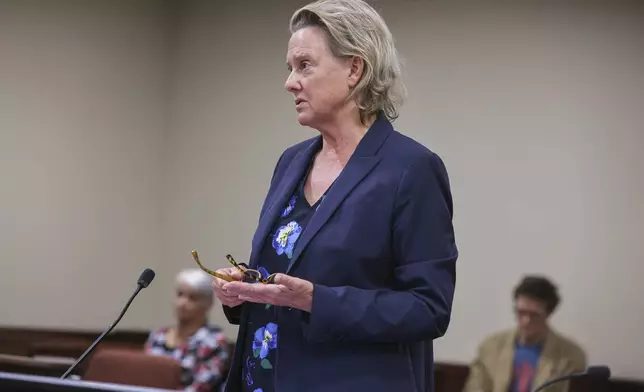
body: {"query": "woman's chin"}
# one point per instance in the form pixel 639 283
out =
pixel 304 119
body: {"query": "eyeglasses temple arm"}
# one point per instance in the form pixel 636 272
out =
pixel 227 278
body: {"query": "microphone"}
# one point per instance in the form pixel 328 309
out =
pixel 144 281
pixel 597 372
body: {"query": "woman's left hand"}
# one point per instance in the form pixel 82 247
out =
pixel 286 291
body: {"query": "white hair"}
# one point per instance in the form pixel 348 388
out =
pixel 197 280
pixel 355 29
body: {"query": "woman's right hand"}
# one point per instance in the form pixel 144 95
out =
pixel 227 300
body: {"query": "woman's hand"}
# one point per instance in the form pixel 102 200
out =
pixel 286 291
pixel 218 284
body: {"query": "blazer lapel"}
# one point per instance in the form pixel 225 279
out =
pixel 360 164
pixel 546 363
pixel 349 179
pixel 503 374
pixel 286 187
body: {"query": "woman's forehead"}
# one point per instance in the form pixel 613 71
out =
pixel 188 289
pixel 307 41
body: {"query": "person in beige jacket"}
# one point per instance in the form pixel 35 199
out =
pixel 520 359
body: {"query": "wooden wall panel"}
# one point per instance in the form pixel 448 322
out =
pixel 65 343
pixel 29 342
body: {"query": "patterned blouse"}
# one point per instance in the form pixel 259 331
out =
pixel 202 358
pixel 261 343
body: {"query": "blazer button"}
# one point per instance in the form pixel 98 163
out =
pixel 289 309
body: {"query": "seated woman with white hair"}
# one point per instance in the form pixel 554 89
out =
pixel 201 348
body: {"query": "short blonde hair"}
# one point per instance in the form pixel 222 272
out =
pixel 354 28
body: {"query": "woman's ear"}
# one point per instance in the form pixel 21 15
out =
pixel 356 69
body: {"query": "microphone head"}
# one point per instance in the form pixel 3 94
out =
pixel 598 371
pixel 146 278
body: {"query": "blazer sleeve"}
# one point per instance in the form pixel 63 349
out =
pixel 418 306
pixel 234 314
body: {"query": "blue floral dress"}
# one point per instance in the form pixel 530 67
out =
pixel 261 342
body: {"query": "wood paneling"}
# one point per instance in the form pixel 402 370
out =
pixel 26 365
pixel 19 346
pixel 22 343
pixel 450 377
pixel 64 343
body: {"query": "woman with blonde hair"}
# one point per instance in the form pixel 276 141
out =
pixel 356 230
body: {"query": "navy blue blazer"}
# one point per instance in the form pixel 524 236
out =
pixel 381 253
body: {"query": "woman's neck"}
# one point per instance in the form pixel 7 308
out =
pixel 184 330
pixel 341 138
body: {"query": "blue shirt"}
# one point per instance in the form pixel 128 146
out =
pixel 526 359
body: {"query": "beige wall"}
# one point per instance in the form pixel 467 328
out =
pixel 83 99
pixel 536 110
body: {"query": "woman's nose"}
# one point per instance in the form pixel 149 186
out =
pixel 291 83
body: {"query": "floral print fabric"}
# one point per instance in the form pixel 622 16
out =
pixel 203 358
pixel 285 238
pixel 262 342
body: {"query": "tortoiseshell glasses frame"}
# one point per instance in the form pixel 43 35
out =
pixel 250 275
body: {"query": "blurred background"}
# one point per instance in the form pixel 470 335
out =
pixel 132 132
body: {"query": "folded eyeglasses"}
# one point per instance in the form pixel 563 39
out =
pixel 250 275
